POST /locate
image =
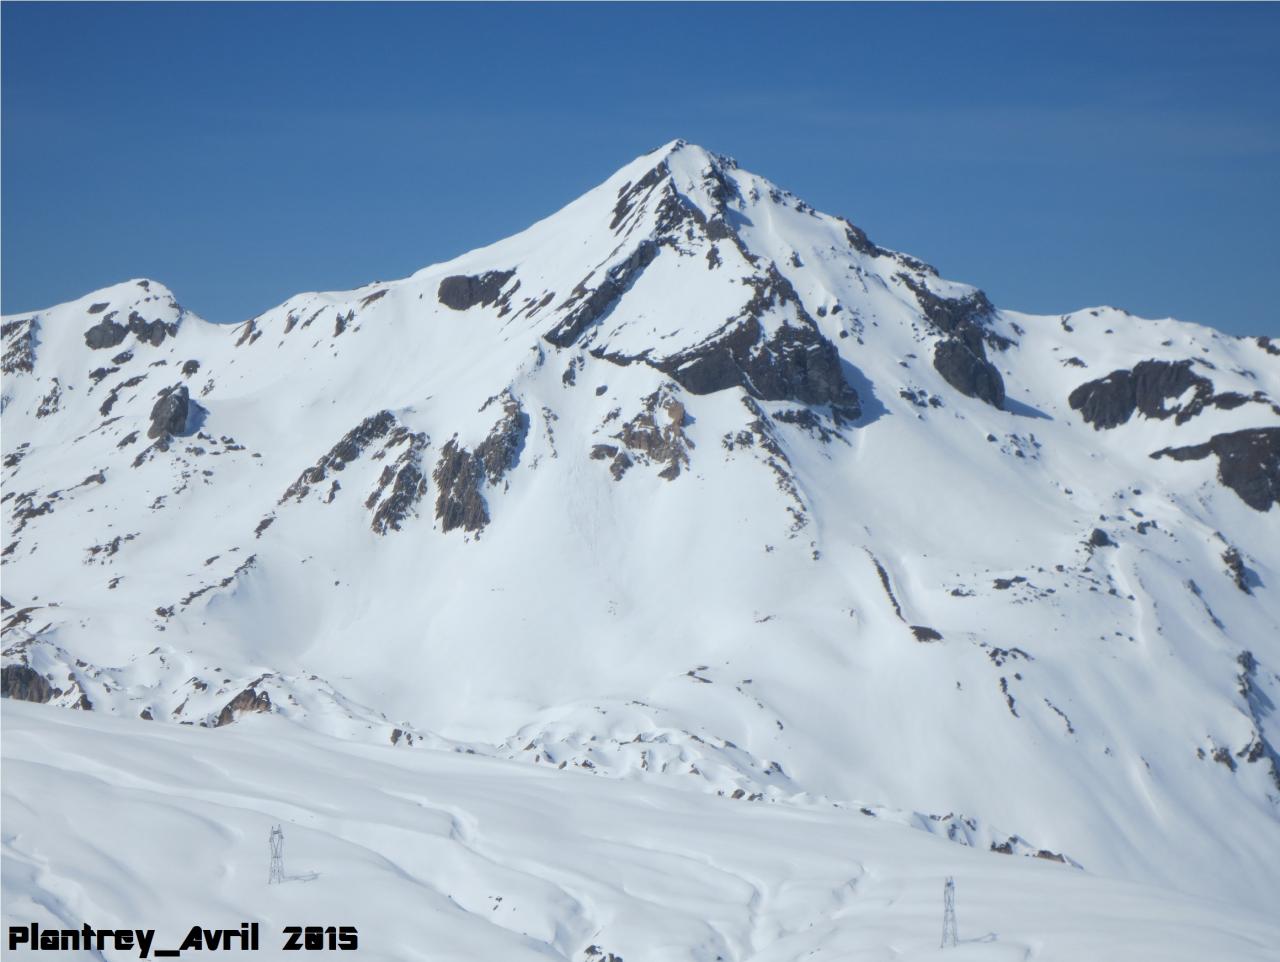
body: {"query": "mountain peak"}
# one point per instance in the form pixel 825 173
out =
pixel 687 482
pixel 678 155
pixel 121 295
pixel 694 153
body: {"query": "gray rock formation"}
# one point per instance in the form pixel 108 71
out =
pixel 1248 463
pixel 169 414
pixel 462 292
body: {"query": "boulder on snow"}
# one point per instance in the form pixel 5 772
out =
pixel 248 700
pixel 106 333
pixel 169 414
pixel 464 291
pixel 1100 539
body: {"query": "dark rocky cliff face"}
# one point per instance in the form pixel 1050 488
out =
pixel 351 446
pixel 106 333
pixel 400 487
pixel 951 315
pixel 401 484
pixel 23 683
pixel 19 346
pixel 460 475
pixel 150 332
pixel 1111 401
pixel 795 363
pixel 1248 463
pixel 969 372
pixel 631 195
pixel 589 307
pixel 169 415
pixel 961 357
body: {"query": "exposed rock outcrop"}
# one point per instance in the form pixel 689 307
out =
pixel 794 363
pixel 1259 706
pixel 969 372
pixel 858 239
pixel 1111 401
pixel 24 683
pixel 961 356
pixel 1238 570
pixel 51 402
pixel 1100 539
pixel 19 346
pixel 654 436
pixel 460 475
pixel 1248 463
pixel 169 413
pixel 401 485
pixel 150 332
pixel 759 435
pixel 114 394
pixel 106 333
pixel 350 447
pixel 589 307
pixel 954 315
pixel 462 292
pixel 629 194
pixel 499 452
pixel 248 700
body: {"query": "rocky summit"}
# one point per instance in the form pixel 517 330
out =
pixel 691 484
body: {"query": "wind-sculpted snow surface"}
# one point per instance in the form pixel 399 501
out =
pixel 453 857
pixel 688 485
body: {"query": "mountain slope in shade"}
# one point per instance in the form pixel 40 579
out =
pixel 687 483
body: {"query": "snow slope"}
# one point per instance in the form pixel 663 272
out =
pixel 441 856
pixel 687 484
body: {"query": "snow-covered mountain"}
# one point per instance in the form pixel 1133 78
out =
pixel 692 484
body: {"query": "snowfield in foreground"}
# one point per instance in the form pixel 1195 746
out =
pixel 443 856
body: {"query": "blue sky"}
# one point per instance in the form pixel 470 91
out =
pixel 1057 156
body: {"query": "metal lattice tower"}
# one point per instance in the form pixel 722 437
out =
pixel 949 936
pixel 276 873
